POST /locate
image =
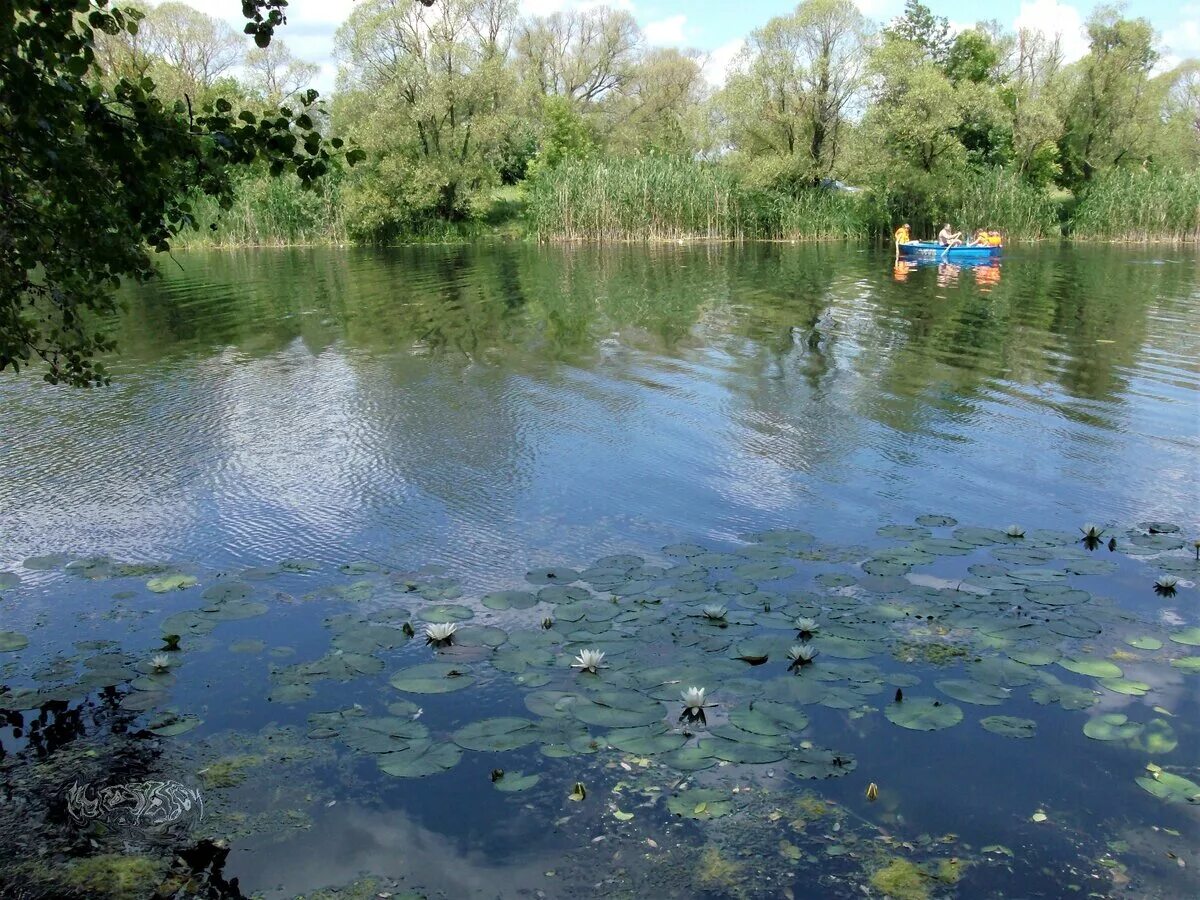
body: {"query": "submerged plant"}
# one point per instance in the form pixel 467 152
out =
pixel 1165 585
pixel 589 661
pixel 715 613
pixel 160 662
pixel 440 633
pixel 801 655
pixel 1015 531
pixel 806 626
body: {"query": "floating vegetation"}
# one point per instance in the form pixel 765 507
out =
pixel 1166 585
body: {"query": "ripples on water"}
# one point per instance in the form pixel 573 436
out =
pixel 491 407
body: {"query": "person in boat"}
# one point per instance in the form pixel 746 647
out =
pixel 948 237
pixel 994 239
pixel 903 235
pixel 981 239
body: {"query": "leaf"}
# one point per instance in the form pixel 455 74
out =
pixel 432 678
pixel 420 759
pixel 497 734
pixel 923 714
pixel 512 782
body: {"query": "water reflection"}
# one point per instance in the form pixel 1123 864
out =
pixel 514 401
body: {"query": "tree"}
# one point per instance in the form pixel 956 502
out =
pixel 274 74
pixel 95 174
pixel 1109 109
pixel 579 54
pixel 197 49
pixel 661 107
pixel 920 27
pixel 795 85
pixel 426 90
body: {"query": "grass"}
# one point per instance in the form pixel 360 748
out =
pixel 1139 206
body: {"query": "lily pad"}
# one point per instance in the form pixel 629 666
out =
pixel 701 803
pixel 1145 642
pixel 689 759
pixel 1112 727
pixel 970 691
pixel 1188 664
pixel 1170 787
pixel 501 600
pixel 495 735
pixel 646 741
pixel 511 782
pixel 923 714
pixel 443 613
pixel 169 724
pixel 175 582
pixel 1189 636
pixel 1096 668
pixel 1010 726
pixel 420 759
pixel 931 520
pixel 11 641
pixel 432 678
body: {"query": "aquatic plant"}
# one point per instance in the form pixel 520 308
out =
pixel 715 613
pixel 589 661
pixel 693 701
pixel 160 662
pixel 872 792
pixel 1165 585
pixel 170 642
pixel 806 626
pixel 1015 531
pixel 440 632
pixel 801 654
pixel 1196 544
pixel 1092 532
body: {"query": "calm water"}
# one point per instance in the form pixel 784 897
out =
pixel 492 410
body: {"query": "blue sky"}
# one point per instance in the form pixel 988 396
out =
pixel 717 26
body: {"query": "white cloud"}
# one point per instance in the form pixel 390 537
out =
pixel 716 68
pixel 666 32
pixel 1052 17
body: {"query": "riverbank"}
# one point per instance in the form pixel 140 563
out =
pixel 662 200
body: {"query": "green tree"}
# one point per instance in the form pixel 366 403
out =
pixel 1109 107
pixel 795 86
pixel 428 93
pixel 920 27
pixel 273 74
pixel 661 108
pixel 95 174
pixel 583 55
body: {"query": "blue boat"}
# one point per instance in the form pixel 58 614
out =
pixel 931 250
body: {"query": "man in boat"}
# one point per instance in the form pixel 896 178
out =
pixel 947 237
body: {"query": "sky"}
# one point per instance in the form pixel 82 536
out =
pixel 717 27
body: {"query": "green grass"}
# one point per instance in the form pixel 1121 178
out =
pixel 1139 206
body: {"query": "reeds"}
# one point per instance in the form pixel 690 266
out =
pixel 1139 206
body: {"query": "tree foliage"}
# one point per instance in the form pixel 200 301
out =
pixel 95 173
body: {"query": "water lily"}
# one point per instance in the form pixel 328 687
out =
pixel 693 700
pixel 160 662
pixel 589 661
pixel 714 612
pixel 1165 585
pixel 1092 532
pixel 1015 531
pixel 872 792
pixel 806 626
pixel 1196 544
pixel 440 632
pixel 801 654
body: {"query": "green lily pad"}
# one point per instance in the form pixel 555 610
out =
pixel 386 734
pixel 432 678
pixel 1112 727
pixel 495 735
pixel 931 520
pixel 1188 664
pixel 817 762
pixel 11 641
pixel 701 803
pixel 1034 656
pixel 743 751
pixel 1170 787
pixel 1144 642
pixel 1126 686
pixel 923 714
pixel 175 582
pixel 1156 738
pixel 1096 668
pixel 1189 636
pixel 444 613
pixel 689 759
pixel 788 717
pixel 511 782
pixel 169 724
pixel 501 600
pixel 969 691
pixel 420 759
pixel 1010 726
pixel 647 740
pixel 1068 696
pixel 617 710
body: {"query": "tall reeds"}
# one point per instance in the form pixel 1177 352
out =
pixel 1139 206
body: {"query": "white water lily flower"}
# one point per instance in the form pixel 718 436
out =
pixel 802 653
pixel 693 699
pixel 806 626
pixel 160 662
pixel 1015 531
pixel 442 631
pixel 714 612
pixel 1092 531
pixel 589 661
pixel 1166 582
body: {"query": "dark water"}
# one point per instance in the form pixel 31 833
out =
pixel 496 409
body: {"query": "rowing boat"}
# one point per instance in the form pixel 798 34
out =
pixel 933 250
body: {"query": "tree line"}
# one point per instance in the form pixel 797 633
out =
pixel 456 100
